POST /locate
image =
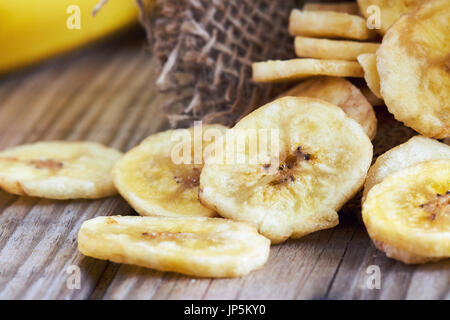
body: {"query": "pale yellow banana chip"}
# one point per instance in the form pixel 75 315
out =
pixel 332 49
pixel 389 10
pixel 342 93
pixel 415 150
pixel 328 24
pixel 323 158
pixel 199 246
pixel 368 62
pixel 413 64
pixel 346 7
pixel 154 177
pixel 294 69
pixel 407 215
pixel 59 170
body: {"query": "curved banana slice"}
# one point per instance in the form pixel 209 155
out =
pixel 368 62
pixel 332 49
pixel 328 24
pixel 59 170
pixel 390 10
pixel 415 150
pixel 316 160
pixel 294 69
pixel 413 64
pixel 343 93
pixel 199 246
pixel 161 175
pixel 407 215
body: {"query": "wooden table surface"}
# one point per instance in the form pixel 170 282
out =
pixel 105 93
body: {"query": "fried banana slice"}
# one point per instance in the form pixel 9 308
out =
pixel 345 7
pixel 59 170
pixel 413 63
pixel 198 246
pixel 407 215
pixel 390 10
pixel 294 69
pixel 332 49
pixel 415 150
pixel 316 160
pixel 328 24
pixel 342 93
pixel 161 175
pixel 368 62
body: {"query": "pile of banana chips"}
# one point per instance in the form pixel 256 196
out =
pixel 211 200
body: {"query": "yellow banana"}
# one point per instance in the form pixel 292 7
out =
pixel 31 31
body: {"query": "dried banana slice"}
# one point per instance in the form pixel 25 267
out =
pixel 199 246
pixel 161 175
pixel 407 215
pixel 332 49
pixel 294 69
pixel 390 10
pixel 322 160
pixel 413 64
pixel 342 93
pixel 415 150
pixel 328 24
pixel 59 170
pixel 346 7
pixel 368 62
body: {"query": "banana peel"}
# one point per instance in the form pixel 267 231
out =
pixel 31 31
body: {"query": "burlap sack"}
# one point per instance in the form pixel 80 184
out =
pixel 206 48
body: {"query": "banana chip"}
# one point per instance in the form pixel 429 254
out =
pixel 328 24
pixel 407 215
pixel 368 62
pixel 415 150
pixel 413 64
pixel 321 159
pixel 154 177
pixel 59 170
pixel 390 10
pixel 294 69
pixel 346 7
pixel 342 93
pixel 204 247
pixel 332 49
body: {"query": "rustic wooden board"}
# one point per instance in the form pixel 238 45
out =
pixel 105 94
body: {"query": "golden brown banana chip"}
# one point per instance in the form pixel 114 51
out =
pixel 328 24
pixel 161 175
pixel 332 49
pixel 407 215
pixel 342 93
pixel 390 10
pixel 345 7
pixel 368 62
pixel 199 246
pixel 317 159
pixel 294 69
pixel 59 170
pixel 413 64
pixel 415 150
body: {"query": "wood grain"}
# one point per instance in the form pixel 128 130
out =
pixel 105 94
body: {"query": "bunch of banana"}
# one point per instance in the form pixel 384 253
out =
pixel 34 30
